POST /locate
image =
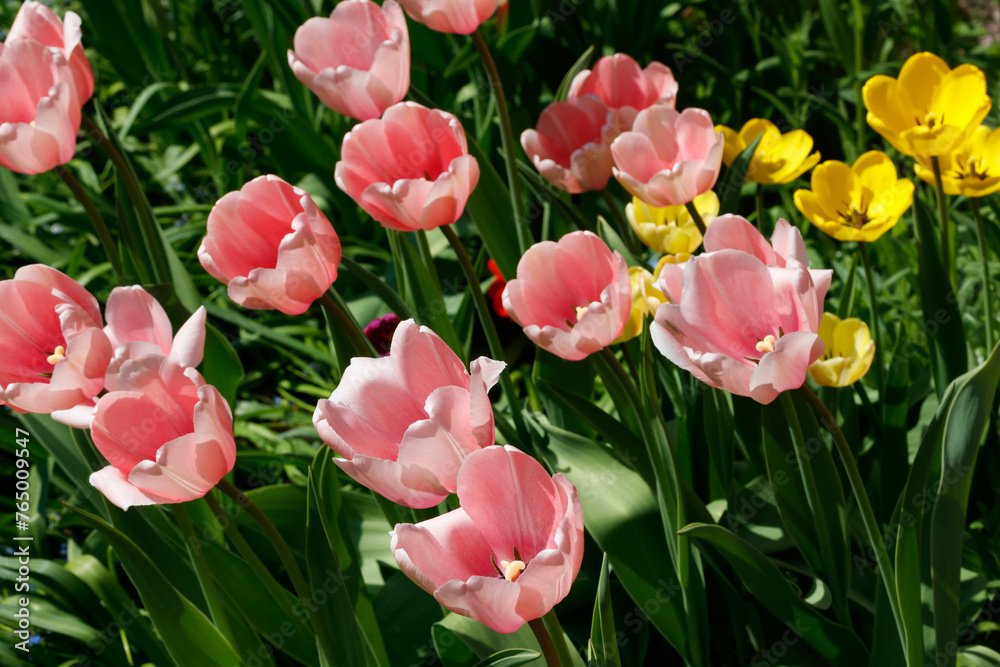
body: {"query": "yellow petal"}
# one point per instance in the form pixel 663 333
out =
pixel 733 146
pixel 922 73
pixel 833 183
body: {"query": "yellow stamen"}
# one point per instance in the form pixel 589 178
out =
pixel 512 569
pixel 766 345
pixel 580 310
pixel 57 356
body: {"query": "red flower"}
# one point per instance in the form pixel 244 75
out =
pixel 495 290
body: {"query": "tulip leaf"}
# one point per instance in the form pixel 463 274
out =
pixel 489 207
pixel 966 420
pixel 614 240
pixel 833 642
pixel 456 632
pixel 511 657
pixel 942 321
pixel 581 64
pixel 838 32
pixel 221 366
pixel 603 642
pixel 188 635
pixel 731 186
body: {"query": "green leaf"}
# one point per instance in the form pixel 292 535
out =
pixel 765 582
pixel 428 300
pixel 511 657
pixel 221 366
pixel 581 64
pixel 838 32
pixel 489 207
pixel 603 642
pixel 966 421
pixel 732 184
pixel 188 635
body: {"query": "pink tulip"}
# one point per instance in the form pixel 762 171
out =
pixel 572 297
pixel 624 88
pixel 39 107
pixel 456 16
pixel 405 422
pixel 572 146
pixel 36 21
pixel 668 158
pixel 166 433
pixel 744 316
pixel 410 170
pixel 272 246
pixel 510 553
pixel 358 60
pixel 53 349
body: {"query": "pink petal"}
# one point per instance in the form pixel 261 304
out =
pixel 785 368
pixel 134 315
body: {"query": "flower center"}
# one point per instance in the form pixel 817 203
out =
pixel 509 570
pixel 766 345
pixel 974 168
pixel 855 216
pixel 931 120
pixel 58 355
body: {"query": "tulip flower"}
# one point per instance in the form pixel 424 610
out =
pixel 848 355
pixel 40 114
pixel 745 316
pixel 495 291
pixel 272 246
pixel 167 435
pixel 410 170
pixel 671 229
pixel 405 422
pixel 668 275
pixel 358 60
pixel 779 158
pixel 857 203
pixel 53 349
pixel 461 17
pixel 37 22
pixel 379 332
pixel 625 88
pixel 669 157
pixel 645 300
pixel 971 169
pixel 572 146
pixel 509 553
pixel 572 297
pixel 930 109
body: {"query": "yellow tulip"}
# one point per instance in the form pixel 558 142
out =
pixel 858 203
pixel 972 169
pixel 779 158
pixel 848 355
pixel 671 229
pixel 930 108
pixel 645 300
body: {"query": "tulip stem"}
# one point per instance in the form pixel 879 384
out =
pixel 984 257
pixel 864 505
pixel 425 254
pixel 100 227
pixel 876 328
pixel 492 338
pixel 204 573
pixel 760 209
pixel 943 216
pixel 378 286
pixel 859 56
pixel 545 642
pixel 696 216
pixel 551 622
pixel 620 222
pixel 524 238
pixel 348 325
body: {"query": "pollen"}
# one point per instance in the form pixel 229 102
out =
pixel 58 355
pixel 766 345
pixel 512 569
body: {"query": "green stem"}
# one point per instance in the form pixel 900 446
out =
pixel 427 257
pixel 378 286
pixel 545 641
pixel 943 217
pixel 984 257
pixel 760 209
pixel 696 216
pixel 348 325
pixel 620 222
pixel 859 109
pixel 524 238
pixel 100 227
pixel 876 327
pixel 555 631
pixel 204 573
pixel 864 505
pixel 492 338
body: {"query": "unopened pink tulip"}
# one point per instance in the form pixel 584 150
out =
pixel 167 435
pixel 40 110
pixel 272 246
pixel 358 60
pixel 625 88
pixel 53 349
pixel 745 315
pixel 404 423
pixel 571 147
pixel 410 170
pixel 510 553
pixel 669 157
pixel 572 297
pixel 36 21
pixel 456 16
